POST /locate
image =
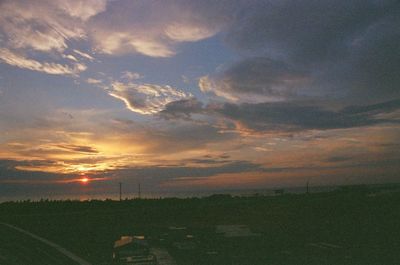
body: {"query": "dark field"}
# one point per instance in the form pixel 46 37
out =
pixel 17 248
pixel 353 225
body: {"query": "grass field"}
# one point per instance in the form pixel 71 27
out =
pixel 353 225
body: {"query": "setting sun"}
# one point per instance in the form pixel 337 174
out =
pixel 84 180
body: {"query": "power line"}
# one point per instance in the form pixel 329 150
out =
pixel 120 191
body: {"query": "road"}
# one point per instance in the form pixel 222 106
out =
pixel 20 247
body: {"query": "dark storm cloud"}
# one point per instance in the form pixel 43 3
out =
pixel 384 107
pixel 255 77
pixel 340 48
pixel 307 31
pixel 293 117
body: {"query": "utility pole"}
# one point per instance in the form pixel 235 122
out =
pixel 308 186
pixel 120 191
pixel 139 191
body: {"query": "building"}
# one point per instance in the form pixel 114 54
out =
pixel 133 250
pixel 235 231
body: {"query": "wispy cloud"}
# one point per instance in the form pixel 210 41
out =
pixel 20 61
pixel 146 98
pixel 78 148
pixel 94 81
pixel 84 55
pixel 30 30
pixel 46 25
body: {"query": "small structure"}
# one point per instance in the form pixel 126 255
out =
pixel 279 191
pixel 235 231
pixel 133 250
pixel 177 228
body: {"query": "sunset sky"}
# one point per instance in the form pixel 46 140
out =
pixel 197 95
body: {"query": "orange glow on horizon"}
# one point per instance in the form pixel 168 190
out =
pixel 82 179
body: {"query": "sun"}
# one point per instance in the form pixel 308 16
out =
pixel 84 180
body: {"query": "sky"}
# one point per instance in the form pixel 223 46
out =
pixel 187 95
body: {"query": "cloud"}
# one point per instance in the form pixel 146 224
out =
pixel 155 29
pixel 182 109
pixel 78 148
pixel 31 31
pixel 26 183
pixel 336 159
pixel 112 27
pixel 189 136
pixel 146 98
pixel 256 80
pixel 94 81
pixel 130 76
pixel 306 31
pixel 82 9
pixel 311 49
pixel 46 25
pixel 70 57
pixel 162 173
pixel 10 170
pixel 115 42
pixel 84 55
pixel 286 116
pixel 182 32
pixel 20 61
pixel 374 109
pixel 302 68
pixel 283 116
